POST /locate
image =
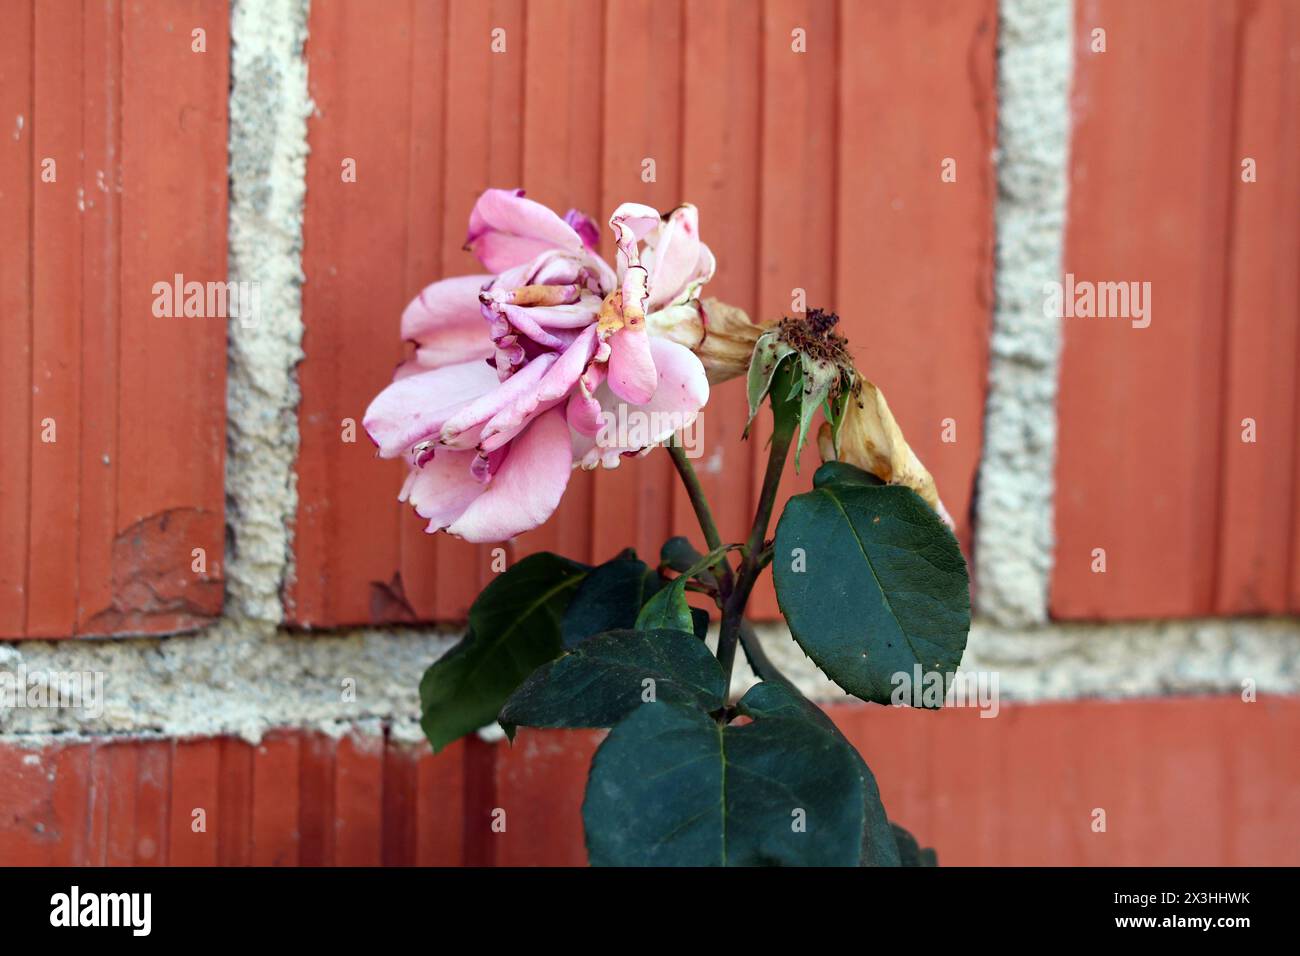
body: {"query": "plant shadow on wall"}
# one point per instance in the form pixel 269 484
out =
pixel 515 380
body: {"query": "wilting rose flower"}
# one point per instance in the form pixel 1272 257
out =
pixel 516 372
pixel 870 439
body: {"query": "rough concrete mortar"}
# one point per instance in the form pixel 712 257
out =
pixel 1111 660
pixel 246 678
pixel 1014 537
pixel 269 106
pixel 240 678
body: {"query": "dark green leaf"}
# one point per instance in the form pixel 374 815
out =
pixel 667 610
pixel 609 599
pixel 603 679
pixel 910 852
pixel 514 627
pixel 679 554
pixel 770 699
pixel 670 787
pixel 872 584
pixel 841 474
pixel 700 622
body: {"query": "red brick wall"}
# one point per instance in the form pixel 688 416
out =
pixel 1183 781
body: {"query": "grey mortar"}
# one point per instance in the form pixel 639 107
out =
pixel 269 106
pixel 1013 535
pixel 243 679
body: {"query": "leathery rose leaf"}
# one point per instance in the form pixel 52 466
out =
pixel 668 608
pixel 669 786
pixel 912 853
pixel 700 622
pixel 609 599
pixel 872 584
pixel 679 555
pixel 767 699
pixel 514 628
pixel 844 474
pixel 605 678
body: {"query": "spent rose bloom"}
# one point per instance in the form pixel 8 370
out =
pixel 858 427
pixel 871 440
pixel 515 371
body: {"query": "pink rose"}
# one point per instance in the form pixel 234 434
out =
pixel 516 373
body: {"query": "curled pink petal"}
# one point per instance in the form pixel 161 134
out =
pixel 483 406
pixel 676 254
pixel 522 320
pixel 506 230
pixel 583 411
pixel 579 315
pixel 445 308
pixel 585 227
pixel 414 407
pixel 553 387
pixel 526 489
pixel 630 427
pixel 634 294
pixel 442 489
pixel 631 223
pixel 632 373
pixel 485 465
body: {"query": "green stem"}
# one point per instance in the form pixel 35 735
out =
pixel 756 556
pixel 703 514
pixel 782 435
pixel 734 589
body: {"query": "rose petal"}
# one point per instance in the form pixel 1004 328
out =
pixel 585 227
pixel 524 320
pixel 443 488
pixel 506 230
pixel 554 386
pixel 632 222
pixel 416 406
pixel 683 390
pixel 675 249
pixel 632 374
pixel 683 324
pixel 583 411
pixel 526 488
pixel 460 429
pixel 445 322
pixel 575 316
